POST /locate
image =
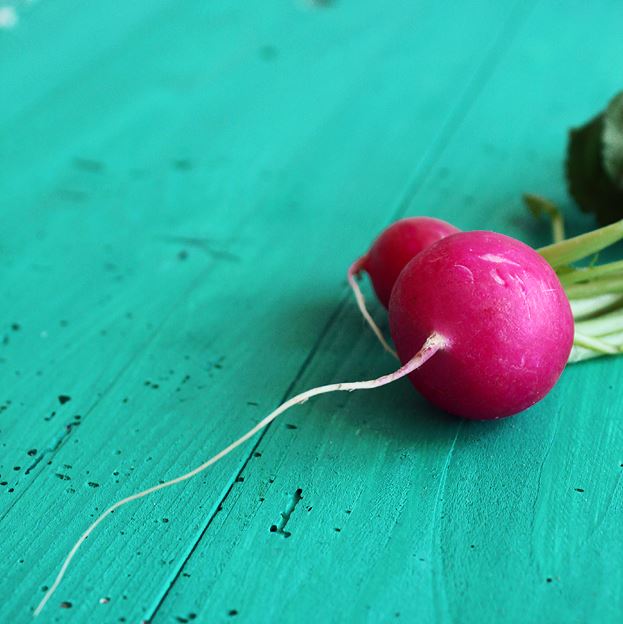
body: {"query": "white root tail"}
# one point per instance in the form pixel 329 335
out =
pixel 434 343
pixel 353 271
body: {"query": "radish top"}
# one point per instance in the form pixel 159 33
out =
pixel 396 246
pixel 505 317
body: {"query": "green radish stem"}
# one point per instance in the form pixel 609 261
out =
pixel 585 274
pixel 540 206
pixel 601 286
pixel 564 252
pixel 603 325
pixel 595 306
pixel 590 342
pixel 434 343
pixel 595 292
pixel 580 353
pixel 353 271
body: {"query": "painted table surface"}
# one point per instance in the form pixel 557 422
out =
pixel 183 186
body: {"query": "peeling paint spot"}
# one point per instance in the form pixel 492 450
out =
pixel 8 17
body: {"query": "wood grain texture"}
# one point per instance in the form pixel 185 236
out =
pixel 182 191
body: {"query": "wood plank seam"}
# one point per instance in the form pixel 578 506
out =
pixel 234 479
pixel 476 83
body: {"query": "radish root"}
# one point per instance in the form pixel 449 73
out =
pixel 354 270
pixel 433 344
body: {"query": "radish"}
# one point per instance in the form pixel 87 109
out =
pixel 483 328
pixel 504 317
pixel 389 254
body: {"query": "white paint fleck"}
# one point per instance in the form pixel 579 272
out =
pixel 497 259
pixel 8 17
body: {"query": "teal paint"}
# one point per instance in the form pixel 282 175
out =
pixel 182 192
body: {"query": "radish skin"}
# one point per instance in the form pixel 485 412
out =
pixel 504 314
pixel 396 246
pixel 390 253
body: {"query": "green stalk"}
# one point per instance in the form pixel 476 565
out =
pixel 596 287
pixel 539 206
pixel 594 306
pixel 568 251
pixel 590 342
pixel 589 273
pixel 602 325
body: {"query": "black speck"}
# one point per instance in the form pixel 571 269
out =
pixel 63 398
pixel 16 468
pixel 257 454
pixel 4 482
pixel 165 520
pixel 66 605
pixel 254 403
pixel 239 479
pixel 179 618
pixel 273 528
pixel 309 508
pixel 579 490
pixel 472 546
pixel 268 52
pixel 192 616
pixel 87 164
pixel 93 484
pixel 338 530
pixel 15 326
pixel 63 477
pixel 548 580
pixel 182 164
pixel 11 490
pixel 289 426
pixel 232 612
pixel 32 452
pixel 348 511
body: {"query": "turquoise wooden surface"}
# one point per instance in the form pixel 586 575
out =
pixel 183 186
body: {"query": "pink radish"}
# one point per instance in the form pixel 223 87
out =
pixel 396 246
pixel 503 313
pixel 482 326
pixel 389 254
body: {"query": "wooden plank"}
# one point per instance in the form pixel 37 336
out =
pixel 257 147
pixel 440 520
